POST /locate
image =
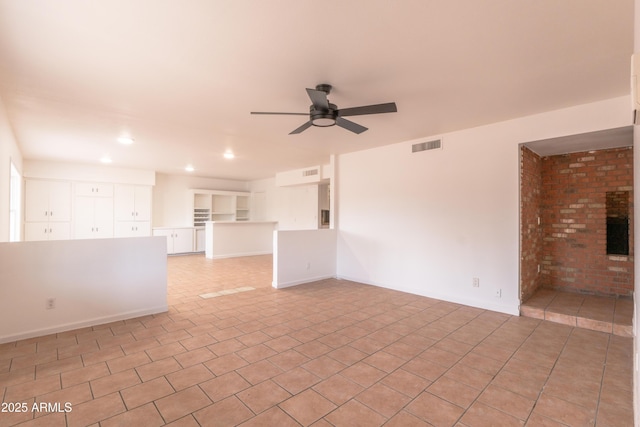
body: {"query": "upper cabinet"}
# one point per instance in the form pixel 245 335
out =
pixel 47 210
pixel 215 205
pixel 47 201
pixel 132 206
pixel 132 202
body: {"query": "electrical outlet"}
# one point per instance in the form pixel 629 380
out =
pixel 476 282
pixel 308 266
pixel 50 303
pixel 498 293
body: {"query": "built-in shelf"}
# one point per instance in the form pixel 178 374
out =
pixel 218 205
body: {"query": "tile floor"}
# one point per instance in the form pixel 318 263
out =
pixel 604 314
pixel 329 353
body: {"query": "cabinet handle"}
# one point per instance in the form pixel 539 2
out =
pixel 136 213
pixel 45 230
pixel 49 230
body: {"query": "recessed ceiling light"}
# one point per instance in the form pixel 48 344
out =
pixel 125 140
pixel 189 168
pixel 229 155
pixel 105 159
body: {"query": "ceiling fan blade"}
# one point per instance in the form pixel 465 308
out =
pixel 349 125
pixel 282 114
pixel 389 107
pixel 318 99
pixel 301 128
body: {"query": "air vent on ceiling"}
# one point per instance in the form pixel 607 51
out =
pixel 424 146
pixel 310 172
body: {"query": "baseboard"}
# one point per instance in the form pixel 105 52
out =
pixel 82 324
pixel 301 282
pixel 241 254
pixel 512 309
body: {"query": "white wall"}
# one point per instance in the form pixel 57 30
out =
pixel 9 152
pixel 228 239
pixel 298 207
pixel 303 256
pixel 92 281
pixel 293 207
pixel 171 197
pixel 429 222
pixel 264 200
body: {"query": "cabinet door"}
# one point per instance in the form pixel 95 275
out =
pixel 93 217
pixel 83 224
pixel 92 189
pixel 124 202
pixel 36 231
pixel 47 231
pixel 182 240
pixel 47 201
pixel 59 230
pixel 142 203
pixel 59 201
pixel 36 201
pixel 143 228
pixel 125 229
pixel 133 229
pixel 103 216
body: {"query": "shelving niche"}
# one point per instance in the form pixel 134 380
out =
pixel 218 205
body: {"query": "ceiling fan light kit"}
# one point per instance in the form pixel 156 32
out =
pixel 322 113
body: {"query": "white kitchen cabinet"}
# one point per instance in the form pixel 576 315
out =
pixel 47 201
pixel 47 210
pixel 179 240
pixel 47 231
pixel 93 217
pixel 92 189
pixel 132 202
pixel 132 228
pixel 132 207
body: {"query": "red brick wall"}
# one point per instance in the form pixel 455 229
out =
pixel 530 231
pixel 574 188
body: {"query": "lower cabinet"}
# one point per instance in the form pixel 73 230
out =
pixel 132 228
pixel 179 240
pixel 93 218
pixel 47 231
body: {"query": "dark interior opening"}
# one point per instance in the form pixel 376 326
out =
pixel 618 223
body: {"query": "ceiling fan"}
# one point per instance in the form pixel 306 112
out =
pixel 322 113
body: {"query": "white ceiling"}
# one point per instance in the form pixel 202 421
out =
pixel 182 76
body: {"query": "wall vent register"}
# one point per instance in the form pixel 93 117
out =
pixel 428 145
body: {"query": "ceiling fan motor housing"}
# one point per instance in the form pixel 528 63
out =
pixel 323 118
